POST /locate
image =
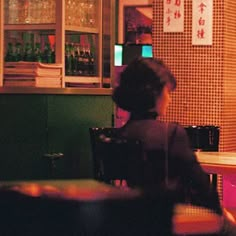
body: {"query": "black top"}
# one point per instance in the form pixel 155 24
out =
pixel 172 157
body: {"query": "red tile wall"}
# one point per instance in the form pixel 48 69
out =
pixel 206 89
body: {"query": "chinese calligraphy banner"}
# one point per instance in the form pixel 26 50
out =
pixel 202 17
pixel 173 16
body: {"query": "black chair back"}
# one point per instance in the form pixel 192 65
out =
pixel 118 158
pixel 204 138
pixel 115 158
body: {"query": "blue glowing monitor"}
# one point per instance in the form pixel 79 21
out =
pixel 147 51
pixel 124 54
pixel 118 55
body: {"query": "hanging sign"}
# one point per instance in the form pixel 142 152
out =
pixel 202 17
pixel 173 16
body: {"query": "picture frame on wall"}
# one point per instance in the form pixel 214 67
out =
pixel 138 24
pixel 131 5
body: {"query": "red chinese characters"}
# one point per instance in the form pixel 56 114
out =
pixel 201 21
pixel 173 15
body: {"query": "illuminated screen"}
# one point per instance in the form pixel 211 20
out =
pixel 118 55
pixel 124 54
pixel 146 51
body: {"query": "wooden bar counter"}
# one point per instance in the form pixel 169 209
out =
pixel 89 207
pixel 223 163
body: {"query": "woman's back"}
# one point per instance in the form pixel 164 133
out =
pixel 169 159
pixel 144 91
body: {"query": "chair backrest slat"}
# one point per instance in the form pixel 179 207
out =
pixel 115 158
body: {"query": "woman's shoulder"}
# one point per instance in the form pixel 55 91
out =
pixel 174 130
pixel 177 127
pixel 153 128
pixel 172 126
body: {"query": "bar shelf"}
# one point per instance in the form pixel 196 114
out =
pixel 64 24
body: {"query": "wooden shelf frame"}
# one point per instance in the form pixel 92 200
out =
pixel 61 29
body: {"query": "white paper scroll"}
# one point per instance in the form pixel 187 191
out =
pixel 202 17
pixel 173 16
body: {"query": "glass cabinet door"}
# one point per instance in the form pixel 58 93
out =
pixel 78 37
pixel 29 11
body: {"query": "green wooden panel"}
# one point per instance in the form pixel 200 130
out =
pixel 32 125
pixel 22 136
pixel 69 118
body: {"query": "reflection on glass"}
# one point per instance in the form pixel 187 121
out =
pixel 81 13
pixel 29 11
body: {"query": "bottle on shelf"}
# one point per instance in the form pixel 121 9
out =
pixel 28 54
pixel 37 52
pixel 75 60
pixel 53 54
pixel 27 11
pixel 10 55
pixel 72 57
pixel 47 54
pixel 67 59
pixel 37 9
pixel 80 61
pixel 86 60
pixel 91 63
pixel 91 13
pixel 13 11
pixel 19 51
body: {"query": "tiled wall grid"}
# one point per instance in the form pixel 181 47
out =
pixel 206 75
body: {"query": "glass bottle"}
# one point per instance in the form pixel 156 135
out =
pixel 67 59
pixel 86 61
pixel 13 11
pixel 82 13
pixel 37 11
pixel 47 54
pixel 75 60
pixel 91 13
pixel 28 54
pixel 10 53
pixel 68 12
pixel 53 54
pixel 72 56
pixel 27 11
pixel 37 53
pixel 81 61
pixel 19 52
pixel 91 63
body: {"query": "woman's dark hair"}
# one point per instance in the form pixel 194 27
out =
pixel 140 84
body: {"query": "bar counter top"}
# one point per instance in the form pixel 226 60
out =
pixel 88 206
pixel 80 190
pixel 218 162
pixel 225 158
pixel 63 91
